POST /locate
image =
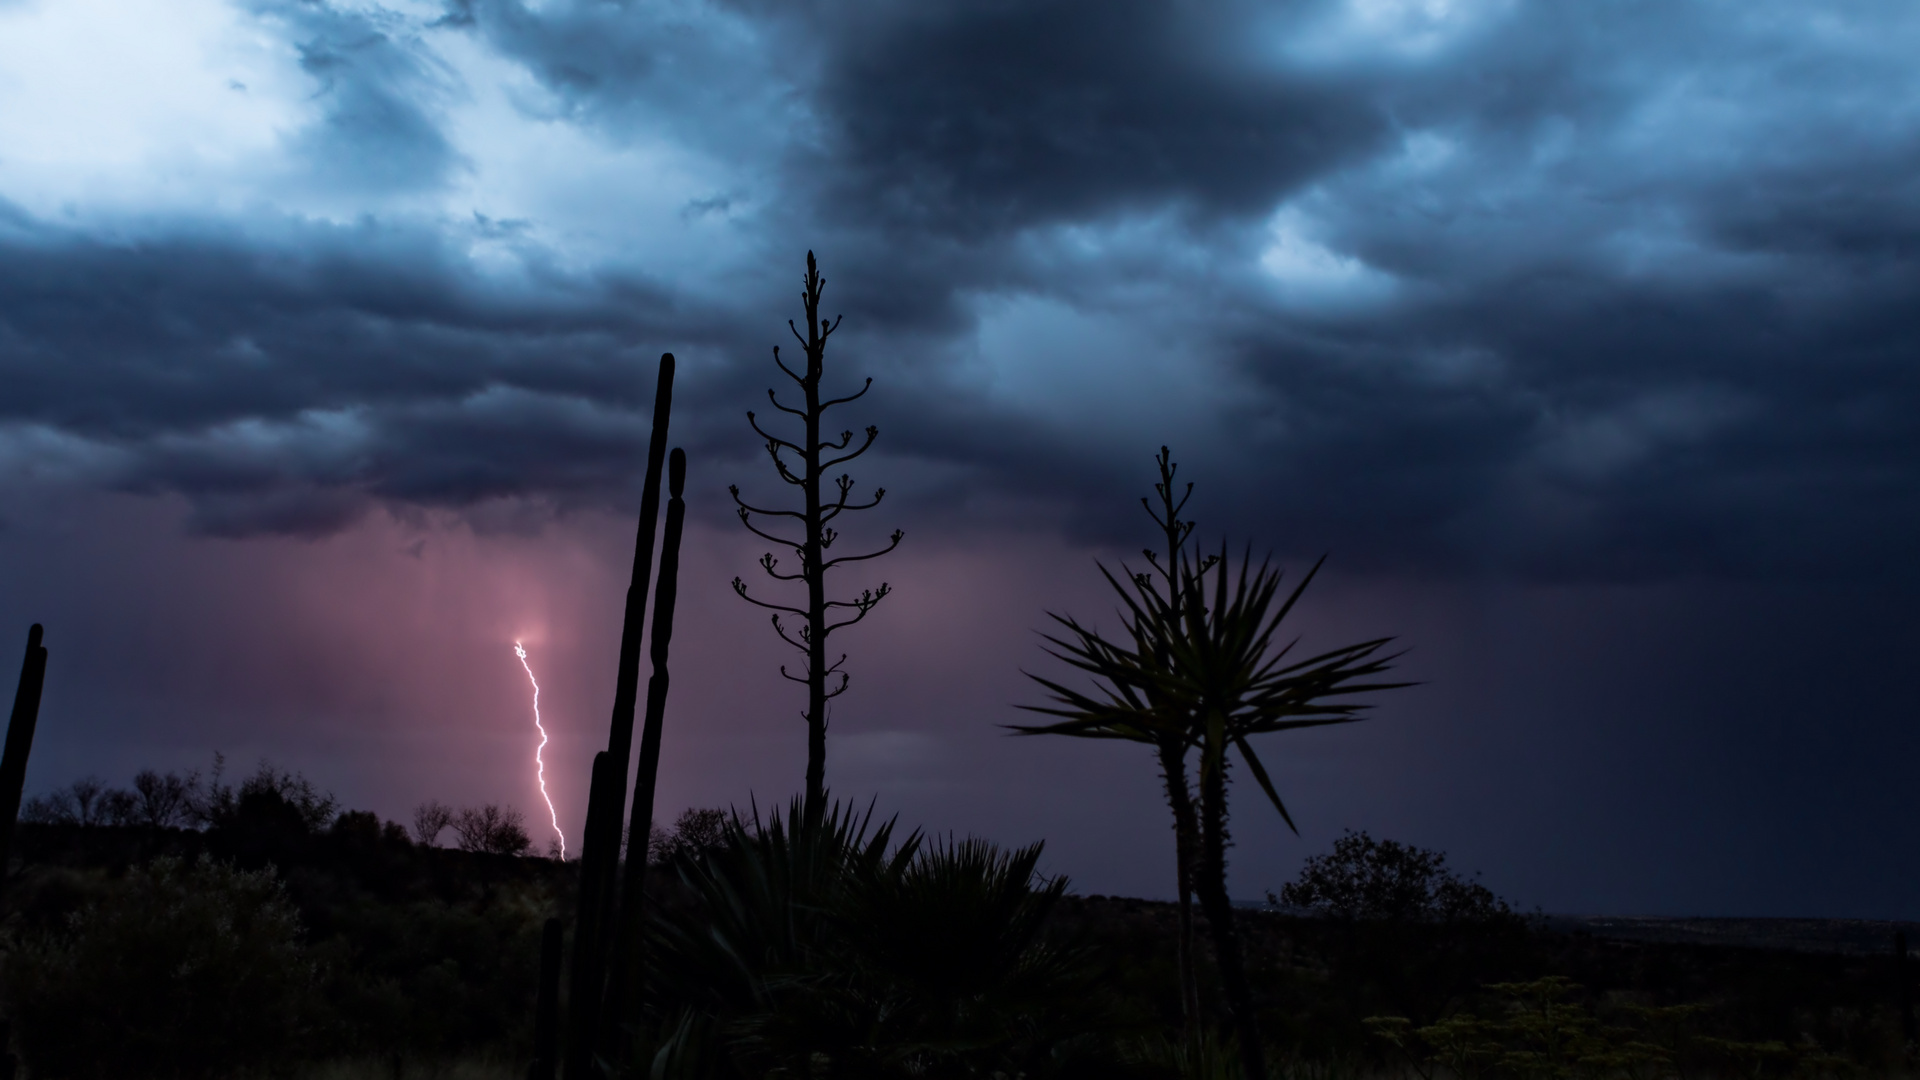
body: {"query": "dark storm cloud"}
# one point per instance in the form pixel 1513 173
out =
pixel 981 118
pixel 281 382
pixel 1561 290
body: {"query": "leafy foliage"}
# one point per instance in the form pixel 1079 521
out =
pixel 821 943
pixel 181 968
pixel 1384 880
pixel 695 833
pixel 165 800
pixel 1543 1031
pixel 492 829
pixel 271 794
pixel 86 801
pixel 430 819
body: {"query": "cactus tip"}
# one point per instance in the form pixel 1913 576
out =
pixel 33 636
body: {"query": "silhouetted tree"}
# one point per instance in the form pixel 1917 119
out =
pixel 272 791
pixel 1409 930
pixel 1364 879
pixel 164 801
pixel 492 829
pixel 430 819
pixel 1136 715
pixel 814 520
pixel 1213 670
pixel 695 832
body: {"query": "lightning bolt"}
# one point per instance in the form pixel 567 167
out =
pixel 540 767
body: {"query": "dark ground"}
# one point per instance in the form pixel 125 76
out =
pixel 430 954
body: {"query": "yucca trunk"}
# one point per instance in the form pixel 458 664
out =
pixel 1210 882
pixel 1186 840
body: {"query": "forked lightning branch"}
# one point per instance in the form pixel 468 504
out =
pixel 539 765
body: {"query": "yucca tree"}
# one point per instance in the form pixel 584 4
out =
pixel 1203 675
pixel 1131 713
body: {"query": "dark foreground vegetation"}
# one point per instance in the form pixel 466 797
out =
pixel 263 941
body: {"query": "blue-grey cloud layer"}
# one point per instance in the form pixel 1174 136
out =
pixel 1586 292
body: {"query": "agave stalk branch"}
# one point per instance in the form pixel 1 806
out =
pixel 802 462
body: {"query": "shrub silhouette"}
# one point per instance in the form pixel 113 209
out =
pixel 86 801
pixel 492 829
pixel 818 945
pixel 164 800
pixel 430 819
pixel 181 968
pixel 270 794
pixel 1364 879
pixel 695 834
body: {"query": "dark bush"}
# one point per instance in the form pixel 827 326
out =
pixel 695 834
pixel 1383 880
pixel 430 819
pixel 824 944
pixel 165 801
pixel 178 969
pixel 493 830
pixel 84 802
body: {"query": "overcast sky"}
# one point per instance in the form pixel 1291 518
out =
pixel 1581 336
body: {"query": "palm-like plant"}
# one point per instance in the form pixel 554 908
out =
pixel 1132 712
pixel 1208 676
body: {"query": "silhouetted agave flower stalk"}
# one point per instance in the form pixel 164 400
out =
pixel 803 465
pixel 1209 676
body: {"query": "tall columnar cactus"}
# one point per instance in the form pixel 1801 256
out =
pixel 627 682
pixel 546 1006
pixel 1903 988
pixel 13 777
pixel 13 764
pixel 596 869
pixel 600 850
pixel 627 960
